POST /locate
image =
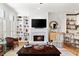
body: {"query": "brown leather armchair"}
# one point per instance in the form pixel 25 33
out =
pixel 1 50
pixel 16 42
pixel 10 42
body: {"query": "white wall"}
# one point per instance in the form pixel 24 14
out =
pixel 60 18
pixel 1 26
pixel 7 23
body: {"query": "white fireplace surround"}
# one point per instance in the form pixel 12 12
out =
pixel 39 31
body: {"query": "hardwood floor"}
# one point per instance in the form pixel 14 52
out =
pixel 73 50
pixel 13 52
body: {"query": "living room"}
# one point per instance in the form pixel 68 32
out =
pixel 39 29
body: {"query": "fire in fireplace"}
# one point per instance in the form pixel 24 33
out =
pixel 38 37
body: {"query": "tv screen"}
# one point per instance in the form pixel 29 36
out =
pixel 39 23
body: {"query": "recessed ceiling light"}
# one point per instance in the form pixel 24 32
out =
pixel 41 3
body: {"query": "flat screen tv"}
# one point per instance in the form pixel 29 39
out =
pixel 39 23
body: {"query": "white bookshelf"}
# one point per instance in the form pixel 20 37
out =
pixel 23 27
pixel 71 37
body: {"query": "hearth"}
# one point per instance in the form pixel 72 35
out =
pixel 38 37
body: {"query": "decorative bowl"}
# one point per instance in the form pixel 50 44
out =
pixel 38 47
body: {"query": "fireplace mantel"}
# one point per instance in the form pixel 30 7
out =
pixel 42 31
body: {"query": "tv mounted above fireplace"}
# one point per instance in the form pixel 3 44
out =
pixel 39 23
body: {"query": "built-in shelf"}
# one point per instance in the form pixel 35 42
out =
pixel 70 23
pixel 23 27
pixel 70 38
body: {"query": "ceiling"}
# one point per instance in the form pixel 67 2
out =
pixel 49 7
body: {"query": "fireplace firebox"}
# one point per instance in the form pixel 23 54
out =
pixel 38 37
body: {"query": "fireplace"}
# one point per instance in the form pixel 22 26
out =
pixel 38 37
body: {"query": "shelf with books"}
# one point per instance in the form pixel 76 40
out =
pixel 23 26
